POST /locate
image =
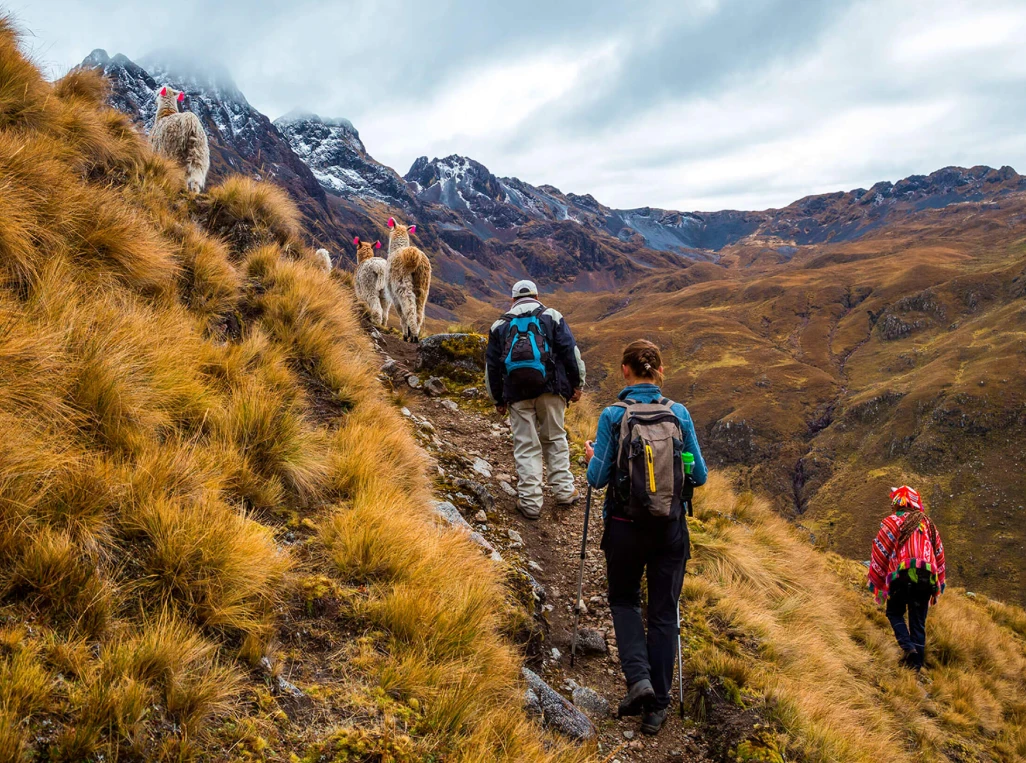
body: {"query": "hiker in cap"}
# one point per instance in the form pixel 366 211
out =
pixel 647 452
pixel 532 370
pixel 907 570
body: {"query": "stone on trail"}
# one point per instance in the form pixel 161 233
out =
pixel 533 566
pixel 592 641
pixel 514 536
pixel 452 515
pixel 508 489
pixel 435 387
pixel 481 516
pixel 557 713
pixel 591 702
pixel 413 381
pixel 482 467
pixel 457 356
pixel 406 412
pixel 480 493
pixel 471 392
pixel 449 405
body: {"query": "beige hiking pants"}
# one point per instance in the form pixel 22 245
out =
pixel 538 435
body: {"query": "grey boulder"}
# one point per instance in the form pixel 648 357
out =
pixel 557 713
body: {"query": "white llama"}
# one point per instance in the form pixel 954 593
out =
pixel 180 137
pixel 323 259
pixel 371 281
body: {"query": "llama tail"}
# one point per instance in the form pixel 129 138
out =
pixel 422 287
pixel 197 160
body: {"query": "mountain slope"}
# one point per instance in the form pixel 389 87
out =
pixel 242 140
pixel 839 370
pixel 215 541
pixel 334 152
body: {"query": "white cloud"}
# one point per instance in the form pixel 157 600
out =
pixel 594 98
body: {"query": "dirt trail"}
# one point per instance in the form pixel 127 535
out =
pixel 550 551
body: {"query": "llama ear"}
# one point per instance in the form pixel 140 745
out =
pixel 391 222
pixel 163 90
pixel 377 244
pixel 412 229
pixel 356 240
pixel 181 97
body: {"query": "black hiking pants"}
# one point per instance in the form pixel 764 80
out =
pixel 911 600
pixel 660 552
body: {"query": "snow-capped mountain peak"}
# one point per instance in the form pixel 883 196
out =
pixel 333 150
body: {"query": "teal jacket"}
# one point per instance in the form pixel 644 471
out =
pixel 607 440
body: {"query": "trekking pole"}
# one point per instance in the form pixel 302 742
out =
pixel 680 663
pixel 580 577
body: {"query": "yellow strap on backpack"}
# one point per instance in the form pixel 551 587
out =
pixel 650 463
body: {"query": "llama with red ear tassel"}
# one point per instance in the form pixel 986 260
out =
pixel 409 279
pixel 179 136
pixel 371 281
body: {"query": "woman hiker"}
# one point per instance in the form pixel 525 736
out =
pixel 645 529
pixel 908 570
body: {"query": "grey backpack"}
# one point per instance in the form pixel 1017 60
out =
pixel 649 473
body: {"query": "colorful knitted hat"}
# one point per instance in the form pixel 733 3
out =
pixel 906 497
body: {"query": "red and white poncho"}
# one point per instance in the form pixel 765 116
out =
pixel 918 553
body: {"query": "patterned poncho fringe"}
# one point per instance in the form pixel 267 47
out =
pixel 917 555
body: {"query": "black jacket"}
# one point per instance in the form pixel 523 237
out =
pixel 568 366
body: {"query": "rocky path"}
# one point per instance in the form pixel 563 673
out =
pixel 473 450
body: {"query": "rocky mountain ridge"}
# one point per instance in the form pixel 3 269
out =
pixel 482 230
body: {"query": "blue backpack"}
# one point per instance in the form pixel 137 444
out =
pixel 527 355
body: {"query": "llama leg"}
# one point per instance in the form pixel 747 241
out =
pixel 406 306
pixel 375 312
pixel 385 307
pixel 397 302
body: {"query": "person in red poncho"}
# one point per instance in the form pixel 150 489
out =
pixel 907 571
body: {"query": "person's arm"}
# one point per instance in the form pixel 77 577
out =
pixel 700 472
pixel 882 547
pixel 494 372
pixel 566 350
pixel 600 467
pixel 941 566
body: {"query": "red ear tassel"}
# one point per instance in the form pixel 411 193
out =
pixel 377 244
pixel 413 229
pixel 356 240
pixel 391 222
pixel 163 90
pixel 181 97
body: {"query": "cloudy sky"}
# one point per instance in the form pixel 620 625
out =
pixel 683 104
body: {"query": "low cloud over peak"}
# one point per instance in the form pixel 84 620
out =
pixel 695 105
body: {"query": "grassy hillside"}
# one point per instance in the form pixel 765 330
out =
pixel 791 636
pixel 205 498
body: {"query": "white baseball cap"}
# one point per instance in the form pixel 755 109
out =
pixel 524 289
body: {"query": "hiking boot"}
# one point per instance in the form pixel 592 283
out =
pixel 572 500
pixel 910 660
pixel 532 515
pixel 652 721
pixel 639 695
